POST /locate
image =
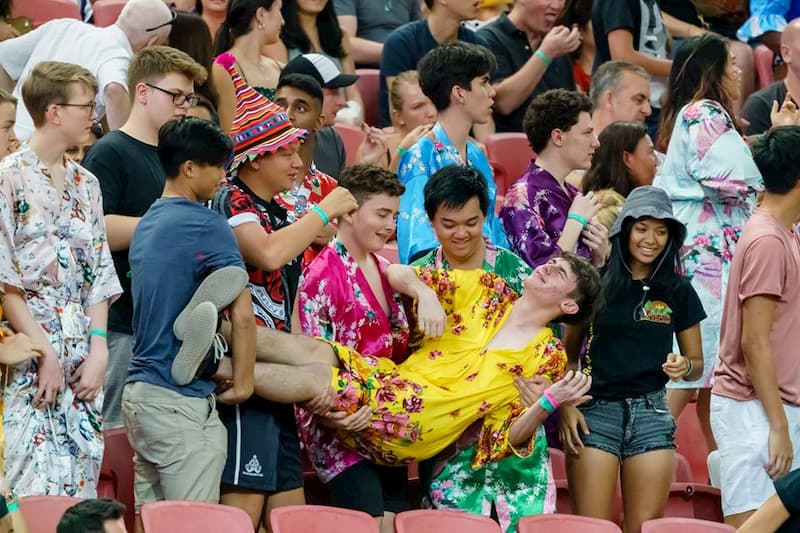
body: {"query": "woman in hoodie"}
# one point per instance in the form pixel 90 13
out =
pixel 627 427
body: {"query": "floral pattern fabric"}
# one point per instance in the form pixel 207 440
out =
pixel 301 198
pixel 534 214
pixel 514 486
pixel 420 408
pixel 53 247
pixel 712 180
pixel 336 302
pixel 417 165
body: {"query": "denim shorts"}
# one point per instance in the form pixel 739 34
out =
pixel 631 426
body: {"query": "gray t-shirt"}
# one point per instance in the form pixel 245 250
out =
pixel 377 18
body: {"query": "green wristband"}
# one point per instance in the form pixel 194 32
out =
pixel 546 405
pixel 400 150
pixel 541 55
pixel 98 332
pixel 322 214
pixel 13 506
pixel 575 216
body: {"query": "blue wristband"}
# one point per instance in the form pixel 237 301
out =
pixel 575 216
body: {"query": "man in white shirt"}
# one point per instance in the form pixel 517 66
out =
pixel 105 52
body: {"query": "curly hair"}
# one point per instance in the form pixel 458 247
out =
pixel 557 109
pixel 364 181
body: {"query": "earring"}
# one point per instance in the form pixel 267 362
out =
pixel 260 26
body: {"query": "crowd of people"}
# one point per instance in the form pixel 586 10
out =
pixel 184 254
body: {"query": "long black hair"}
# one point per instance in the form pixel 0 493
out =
pixel 667 271
pixel 238 22
pixel 330 33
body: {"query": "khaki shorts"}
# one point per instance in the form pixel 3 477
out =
pixel 179 443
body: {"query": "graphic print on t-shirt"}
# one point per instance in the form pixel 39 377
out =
pixel 656 311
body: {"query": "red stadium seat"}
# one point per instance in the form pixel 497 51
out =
pixel 42 513
pixel 106 12
pixel 684 525
pixel 558 463
pixel 683 470
pixel 368 84
pixel 510 155
pixel 692 500
pixel 118 469
pixel 563 523
pixel 320 519
pixel 691 443
pixel 763 58
pixel 352 138
pixel 41 11
pixel 434 521
pixel 190 517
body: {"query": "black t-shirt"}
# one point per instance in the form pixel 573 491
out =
pixel 512 50
pixel 759 105
pixel 625 354
pixel 131 179
pixel 329 155
pixel 788 489
pixel 682 10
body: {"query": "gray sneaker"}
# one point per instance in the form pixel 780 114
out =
pixel 201 329
pixel 220 288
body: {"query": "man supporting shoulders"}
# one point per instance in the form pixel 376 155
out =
pixel 755 402
pixel 172 423
pixel 131 177
pixel 532 57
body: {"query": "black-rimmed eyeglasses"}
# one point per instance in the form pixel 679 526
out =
pixel 178 98
pixel 167 23
pixel 90 106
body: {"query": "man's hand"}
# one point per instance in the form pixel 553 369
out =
pixel 560 41
pixel 781 453
pixel 339 420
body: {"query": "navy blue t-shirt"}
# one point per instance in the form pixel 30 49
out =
pixel 403 49
pixel 175 246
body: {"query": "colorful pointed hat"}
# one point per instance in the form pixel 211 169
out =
pixel 260 126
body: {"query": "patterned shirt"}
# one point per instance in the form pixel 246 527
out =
pixel 534 214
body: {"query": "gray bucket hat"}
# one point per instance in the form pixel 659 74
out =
pixel 648 201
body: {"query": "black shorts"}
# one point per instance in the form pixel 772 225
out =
pixel 263 447
pixel 370 488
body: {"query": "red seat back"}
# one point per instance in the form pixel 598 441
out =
pixel 434 521
pixel 683 470
pixel 106 12
pixel 352 138
pixel 691 443
pixel 118 468
pixel 320 519
pixel 41 11
pixel 558 462
pixel 368 84
pixel 692 500
pixel 763 58
pixel 564 523
pixel 42 513
pixel 190 517
pixel 510 155
pixel 684 525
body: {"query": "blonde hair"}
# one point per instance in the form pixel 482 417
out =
pixel 7 98
pixel 395 98
pixel 50 83
pixel 155 62
pixel 611 203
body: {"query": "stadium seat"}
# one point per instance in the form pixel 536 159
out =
pixel 558 462
pixel 683 470
pixel 434 521
pixel 690 442
pixel 684 525
pixel 693 500
pixel 368 84
pixel 352 138
pixel 320 519
pixel 107 11
pixel 510 155
pixel 563 523
pixel 42 513
pixel 41 11
pixel 118 468
pixel 763 58
pixel 389 252
pixel 191 517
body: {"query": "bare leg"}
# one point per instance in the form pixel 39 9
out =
pixel 704 415
pixel 291 384
pixel 646 479
pixel 250 501
pixel 274 346
pixel 386 522
pixel 592 479
pixel 282 499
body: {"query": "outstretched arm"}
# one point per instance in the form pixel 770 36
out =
pixel 431 316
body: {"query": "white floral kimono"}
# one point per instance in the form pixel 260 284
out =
pixel 55 250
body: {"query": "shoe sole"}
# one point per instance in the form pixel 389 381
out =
pixel 200 330
pixel 221 287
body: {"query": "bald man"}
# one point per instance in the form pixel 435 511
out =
pixel 757 108
pixel 105 52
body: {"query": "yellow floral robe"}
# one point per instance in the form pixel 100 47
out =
pixel 425 403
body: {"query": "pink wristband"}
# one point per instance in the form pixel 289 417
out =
pixel 551 399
